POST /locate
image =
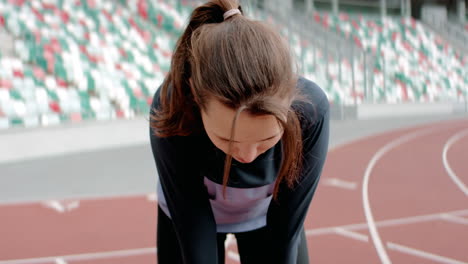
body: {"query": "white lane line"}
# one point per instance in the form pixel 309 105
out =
pixel 62 206
pixel 416 219
pixel 60 261
pixel 86 198
pixel 86 256
pixel 422 254
pixel 56 205
pixel 340 183
pixel 365 189
pixel 351 234
pixel 449 170
pixel 152 197
pixel 233 255
pixel 399 247
pixel 384 223
pixel 454 219
pixel 230 240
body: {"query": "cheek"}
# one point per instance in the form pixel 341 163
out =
pixel 264 147
pixel 268 145
pixel 222 146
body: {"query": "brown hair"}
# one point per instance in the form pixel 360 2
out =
pixel 244 64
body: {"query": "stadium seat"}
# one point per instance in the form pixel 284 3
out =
pixel 104 59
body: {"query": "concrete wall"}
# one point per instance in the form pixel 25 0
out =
pixel 375 111
pixel 368 111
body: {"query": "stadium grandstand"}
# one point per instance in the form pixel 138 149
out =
pixel 65 61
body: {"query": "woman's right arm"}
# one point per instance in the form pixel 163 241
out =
pixel 186 196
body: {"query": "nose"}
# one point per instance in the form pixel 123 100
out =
pixel 246 153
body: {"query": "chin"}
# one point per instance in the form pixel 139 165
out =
pixel 242 161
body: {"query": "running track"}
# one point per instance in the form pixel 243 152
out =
pixel 397 197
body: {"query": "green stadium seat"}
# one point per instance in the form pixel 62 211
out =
pixel 104 59
pixel 410 52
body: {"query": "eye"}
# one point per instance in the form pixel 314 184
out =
pixel 224 141
pixel 271 139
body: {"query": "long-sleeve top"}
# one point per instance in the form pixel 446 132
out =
pixel 190 172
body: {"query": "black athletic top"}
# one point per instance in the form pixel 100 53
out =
pixel 190 176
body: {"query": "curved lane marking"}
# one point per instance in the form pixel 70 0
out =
pixel 449 170
pixel 365 188
pixel 454 219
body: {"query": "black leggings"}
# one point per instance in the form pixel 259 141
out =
pixel 249 245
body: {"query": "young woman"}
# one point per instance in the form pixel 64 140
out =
pixel 239 142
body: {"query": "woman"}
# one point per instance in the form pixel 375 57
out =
pixel 239 142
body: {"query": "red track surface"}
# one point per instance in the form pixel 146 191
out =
pixel 420 214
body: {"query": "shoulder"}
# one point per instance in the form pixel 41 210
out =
pixel 314 104
pixel 185 142
pixel 311 90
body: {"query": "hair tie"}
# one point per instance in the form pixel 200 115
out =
pixel 231 12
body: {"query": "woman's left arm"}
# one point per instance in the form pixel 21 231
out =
pixel 286 216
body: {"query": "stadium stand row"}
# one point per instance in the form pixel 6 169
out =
pixel 79 60
pixel 103 59
pixel 419 65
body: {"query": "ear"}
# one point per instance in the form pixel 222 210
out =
pixel 192 89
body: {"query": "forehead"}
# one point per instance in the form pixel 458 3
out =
pixel 217 118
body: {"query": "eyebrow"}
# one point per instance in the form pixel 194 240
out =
pixel 226 139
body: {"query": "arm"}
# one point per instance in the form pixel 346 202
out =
pixel 186 196
pixel 286 216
